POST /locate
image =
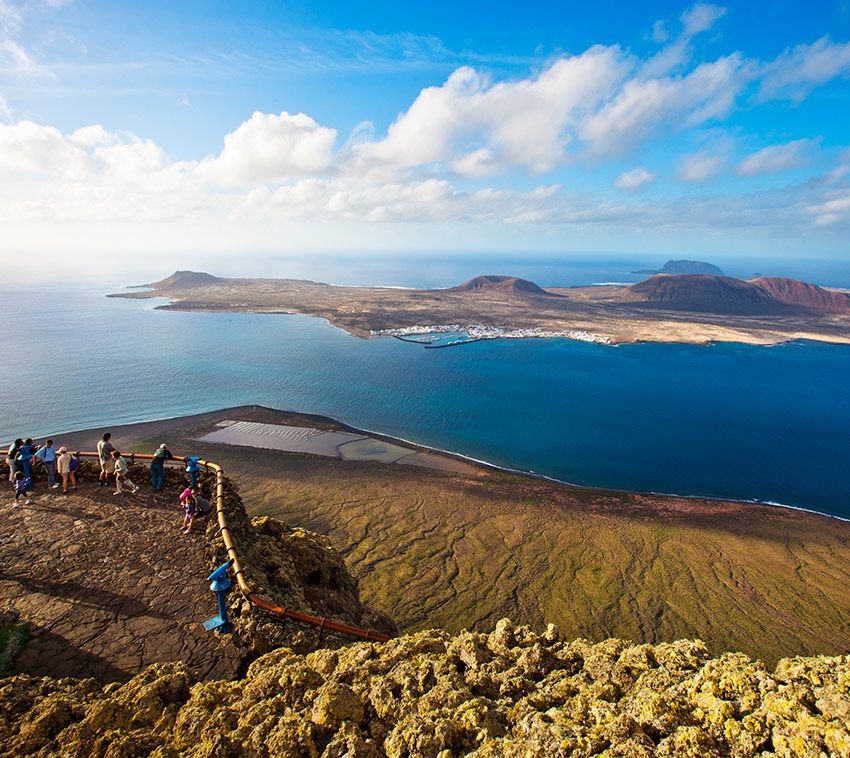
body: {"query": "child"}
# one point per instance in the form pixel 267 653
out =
pixel 189 507
pixel 66 470
pixel 22 484
pixel 121 472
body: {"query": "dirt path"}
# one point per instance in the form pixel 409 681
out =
pixel 109 583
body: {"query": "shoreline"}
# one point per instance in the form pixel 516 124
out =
pixel 165 424
pixel 588 324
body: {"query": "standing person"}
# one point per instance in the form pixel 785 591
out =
pixel 162 455
pixel 22 484
pixel 122 470
pixel 24 458
pixel 63 466
pixel 192 469
pixel 11 457
pixel 107 462
pixel 47 456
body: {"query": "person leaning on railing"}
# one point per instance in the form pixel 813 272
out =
pixel 162 455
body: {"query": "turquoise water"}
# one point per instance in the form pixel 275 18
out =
pixel 727 420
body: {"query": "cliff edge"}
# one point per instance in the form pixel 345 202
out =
pixel 511 692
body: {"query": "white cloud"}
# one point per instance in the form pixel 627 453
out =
pixel 5 110
pixel 634 179
pixel 470 121
pixel 799 70
pixel 659 32
pixel 700 18
pixel 773 159
pixel 642 106
pixel 15 59
pixel 270 147
pixel 833 210
pixel 31 147
pixel 699 166
pixel 93 136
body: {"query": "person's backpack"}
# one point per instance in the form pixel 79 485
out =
pixel 75 463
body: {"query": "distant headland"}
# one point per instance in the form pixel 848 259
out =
pixel 684 267
pixel 696 308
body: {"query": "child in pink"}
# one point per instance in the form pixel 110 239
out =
pixel 187 500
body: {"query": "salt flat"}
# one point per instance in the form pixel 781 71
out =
pixel 331 444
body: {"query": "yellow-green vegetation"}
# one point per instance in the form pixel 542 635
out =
pixel 431 694
pixel 457 552
pixel 437 550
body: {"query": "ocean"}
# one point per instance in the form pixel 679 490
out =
pixel 728 420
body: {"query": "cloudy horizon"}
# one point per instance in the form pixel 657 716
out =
pixel 263 134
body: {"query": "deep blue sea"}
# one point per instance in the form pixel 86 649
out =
pixel 728 420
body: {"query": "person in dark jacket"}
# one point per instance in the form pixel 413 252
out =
pixel 162 455
pixel 25 455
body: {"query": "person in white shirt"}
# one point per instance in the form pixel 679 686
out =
pixel 63 466
pixel 122 469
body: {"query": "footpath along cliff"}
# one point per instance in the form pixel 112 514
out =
pixel 513 691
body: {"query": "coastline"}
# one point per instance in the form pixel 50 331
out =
pixel 585 315
pixel 80 438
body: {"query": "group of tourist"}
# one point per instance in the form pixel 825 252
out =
pixel 23 455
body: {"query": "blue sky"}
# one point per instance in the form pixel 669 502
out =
pixel 213 128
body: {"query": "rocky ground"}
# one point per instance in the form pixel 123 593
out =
pixel 511 692
pixel 89 573
pixel 106 584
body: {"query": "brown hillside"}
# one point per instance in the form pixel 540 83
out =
pixel 803 294
pixel 504 284
pixel 185 280
pixel 706 294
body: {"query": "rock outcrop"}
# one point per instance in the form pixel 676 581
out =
pixel 511 692
pixel 506 285
pixel 294 568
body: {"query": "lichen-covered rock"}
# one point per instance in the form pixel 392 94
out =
pixel 512 692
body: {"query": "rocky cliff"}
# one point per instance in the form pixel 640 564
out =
pixel 511 692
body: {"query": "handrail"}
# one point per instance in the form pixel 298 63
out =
pixel 252 597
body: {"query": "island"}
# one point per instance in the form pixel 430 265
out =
pixel 684 267
pixel 684 308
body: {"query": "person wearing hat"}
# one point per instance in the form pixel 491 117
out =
pixel 63 468
pixel 162 455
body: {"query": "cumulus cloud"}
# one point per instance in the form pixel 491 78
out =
pixel 480 126
pixel 799 70
pixel 775 158
pixel 270 147
pixel 699 166
pixel 31 147
pixel 642 106
pixel 634 179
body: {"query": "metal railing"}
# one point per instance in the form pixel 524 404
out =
pixel 324 624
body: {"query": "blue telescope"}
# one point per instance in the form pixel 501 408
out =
pixel 220 583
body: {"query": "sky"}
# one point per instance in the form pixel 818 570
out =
pixel 220 133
